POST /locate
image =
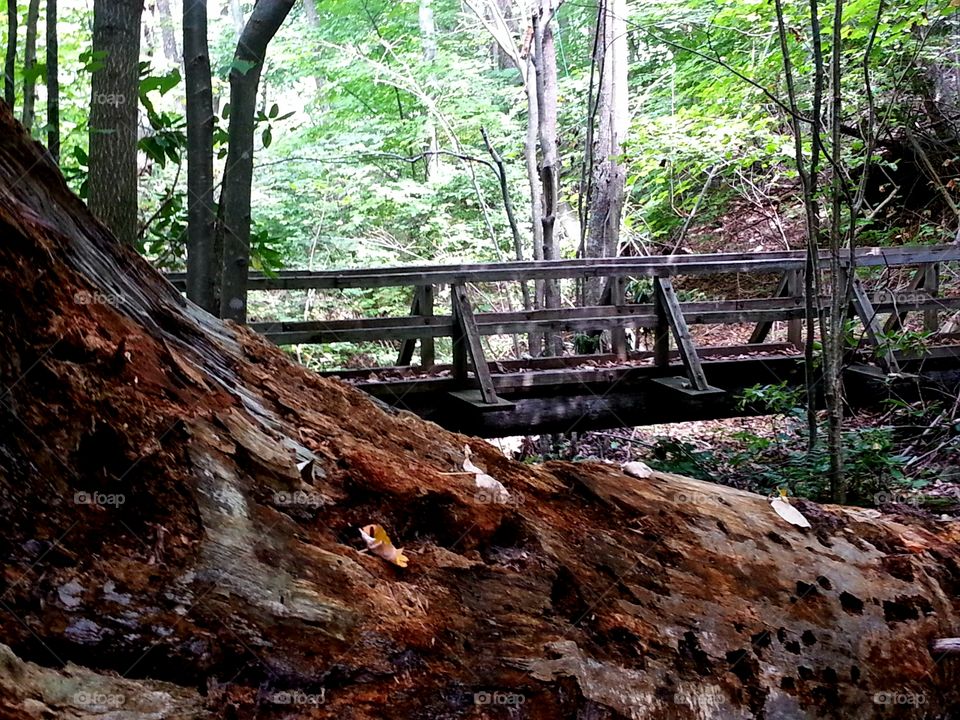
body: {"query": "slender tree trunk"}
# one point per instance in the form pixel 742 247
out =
pixel 29 65
pixel 546 85
pixel 535 339
pixel 200 204
pixel 839 277
pixel 53 82
pixel 428 37
pixel 607 186
pixel 10 59
pixel 113 116
pixel 168 34
pixel 310 8
pixel 263 24
pixel 236 15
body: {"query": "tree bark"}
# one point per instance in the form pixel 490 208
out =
pixel 29 64
pixel 611 121
pixel 167 32
pixel 10 59
pixel 112 185
pixel 201 216
pixel 159 539
pixel 545 60
pixel 53 82
pixel 263 24
pixel 428 38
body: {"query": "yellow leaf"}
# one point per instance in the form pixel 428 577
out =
pixel 378 543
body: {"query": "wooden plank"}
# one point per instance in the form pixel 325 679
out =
pixel 618 335
pixel 762 329
pixel 661 265
pixel 470 337
pixel 871 324
pixel 681 333
pixel 931 283
pixel 795 289
pixel 406 348
pixel 517 372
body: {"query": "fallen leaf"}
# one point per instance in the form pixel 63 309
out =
pixel 378 543
pixel 788 512
pixel 637 469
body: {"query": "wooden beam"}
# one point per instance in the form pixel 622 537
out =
pixel 931 283
pixel 618 335
pixel 470 338
pixel 406 347
pixel 871 324
pixel 681 333
pixel 762 329
pixel 660 265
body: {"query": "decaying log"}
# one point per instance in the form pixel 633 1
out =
pixel 168 553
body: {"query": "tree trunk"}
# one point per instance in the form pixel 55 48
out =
pixel 611 122
pixel 112 185
pixel 248 60
pixel 546 78
pixel 29 64
pixel 53 82
pixel 168 32
pixel 164 556
pixel 535 339
pixel 201 261
pixel 428 38
pixel 10 59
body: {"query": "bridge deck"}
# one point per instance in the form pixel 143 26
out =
pixel 594 393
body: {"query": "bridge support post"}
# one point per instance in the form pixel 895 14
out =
pixel 688 351
pixel 422 305
pixel 618 335
pixel 467 339
pixel 794 288
pixel 661 333
pixel 871 324
pixel 931 283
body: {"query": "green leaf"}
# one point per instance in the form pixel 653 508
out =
pixel 267 137
pixel 242 66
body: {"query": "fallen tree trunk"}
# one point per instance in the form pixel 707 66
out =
pixel 182 506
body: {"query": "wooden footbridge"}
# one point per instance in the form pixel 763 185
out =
pixel 670 382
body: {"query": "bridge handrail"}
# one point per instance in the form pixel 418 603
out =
pixel 648 266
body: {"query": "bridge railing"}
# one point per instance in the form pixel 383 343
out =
pixel 666 316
